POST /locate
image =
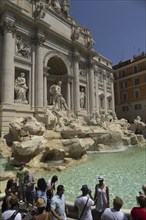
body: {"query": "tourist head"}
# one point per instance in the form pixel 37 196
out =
pixel 141 200
pixel 40 203
pixel 22 164
pixel 13 202
pixel 101 179
pixel 41 184
pixel 54 179
pixel 117 203
pixel 60 190
pixel 85 189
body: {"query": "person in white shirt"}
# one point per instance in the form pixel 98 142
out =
pixel 114 213
pixel 83 204
pixel 58 206
pixel 14 205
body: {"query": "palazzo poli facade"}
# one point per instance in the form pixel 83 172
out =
pixel 40 45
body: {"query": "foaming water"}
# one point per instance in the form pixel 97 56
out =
pixel 124 173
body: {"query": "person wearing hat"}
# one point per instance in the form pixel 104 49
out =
pixel 114 213
pixel 41 213
pixel 58 206
pixel 83 204
pixel 101 196
pixel 21 174
pixel 14 206
pixel 139 213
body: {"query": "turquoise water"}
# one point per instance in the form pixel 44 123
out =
pixel 124 173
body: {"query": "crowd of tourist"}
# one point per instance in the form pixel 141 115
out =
pixel 40 202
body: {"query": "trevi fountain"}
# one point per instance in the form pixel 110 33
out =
pixel 57 104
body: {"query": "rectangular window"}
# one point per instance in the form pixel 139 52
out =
pixel 123 73
pixel 137 106
pixel 124 96
pixel 123 85
pixel 135 69
pixel 125 108
pixel 136 81
pixel 136 94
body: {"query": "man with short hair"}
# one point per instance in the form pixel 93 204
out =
pixel 83 204
pixel 58 207
pixel 114 213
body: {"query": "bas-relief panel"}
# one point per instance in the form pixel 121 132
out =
pixel 23 47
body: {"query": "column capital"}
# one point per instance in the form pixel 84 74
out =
pixel 76 56
pixel 96 70
pixel 38 40
pixel 91 64
pixel 104 74
pixel 8 25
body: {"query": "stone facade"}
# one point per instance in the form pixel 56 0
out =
pixel 40 45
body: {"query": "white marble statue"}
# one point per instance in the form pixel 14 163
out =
pixel 82 98
pixel 58 100
pixel 139 125
pixel 21 89
pixel 56 5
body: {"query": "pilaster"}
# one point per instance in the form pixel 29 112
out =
pixel 112 86
pixel 105 91
pixel 39 90
pixel 76 58
pixel 91 87
pixel 97 90
pixel 8 29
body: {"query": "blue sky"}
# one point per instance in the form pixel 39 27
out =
pixel 117 26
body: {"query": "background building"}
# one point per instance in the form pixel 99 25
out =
pixel 130 88
pixel 40 45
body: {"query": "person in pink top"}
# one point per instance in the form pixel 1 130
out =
pixel 139 213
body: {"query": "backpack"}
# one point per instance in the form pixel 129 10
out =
pixel 12 217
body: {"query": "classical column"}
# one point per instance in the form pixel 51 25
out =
pixel 39 88
pixel 46 74
pixel 76 83
pixel 33 77
pixel 105 91
pixel 8 71
pixel 69 93
pixel 97 90
pixel 112 91
pixel 91 88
